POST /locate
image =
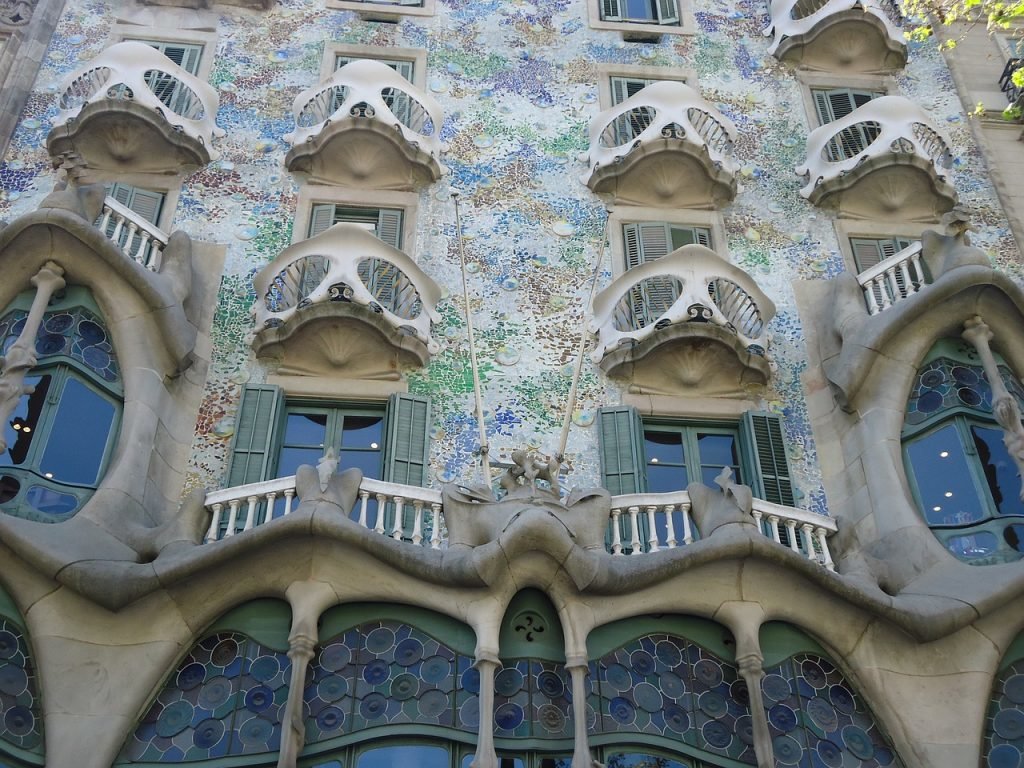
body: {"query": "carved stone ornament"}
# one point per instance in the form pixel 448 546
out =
pixel 16 13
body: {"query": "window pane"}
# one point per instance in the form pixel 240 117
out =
pixel 1000 470
pixel 21 429
pixel 368 461
pixel 975 545
pixel 503 762
pixel 664 448
pixel 717 449
pixel 639 9
pixel 78 439
pixel 663 479
pixel 947 493
pixel 50 501
pixel 633 760
pixel 410 756
pixel 305 429
pixel 293 458
pixel 362 432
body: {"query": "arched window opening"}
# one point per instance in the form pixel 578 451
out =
pixel 226 697
pixel 962 475
pixel 21 715
pixel 1003 745
pixel 672 685
pixel 59 438
pixel 815 717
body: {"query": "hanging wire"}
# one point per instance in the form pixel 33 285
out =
pixel 578 370
pixel 484 447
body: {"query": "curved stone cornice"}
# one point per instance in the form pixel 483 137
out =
pixel 848 35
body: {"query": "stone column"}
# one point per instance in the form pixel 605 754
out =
pixel 293 732
pixel 752 673
pixel 485 756
pixel 1004 405
pixel 578 668
pixel 21 357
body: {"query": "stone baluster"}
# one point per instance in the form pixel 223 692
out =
pixel 915 261
pixel 670 526
pixel 250 513
pixel 1004 405
pixel 883 286
pixel 269 514
pixel 396 528
pixel 417 527
pixel 233 506
pixel 869 294
pixel 908 281
pixel 808 537
pixel 21 357
pixel 687 526
pixel 211 534
pixel 289 494
pixel 118 227
pixel 791 530
pixel 634 524
pixel 132 229
pixel 823 543
pixel 773 525
pixel 435 527
pixel 379 526
pixel 140 252
pixel 364 500
pixel 758 515
pixel 616 533
pixel 652 538
pixel 485 756
pixel 105 220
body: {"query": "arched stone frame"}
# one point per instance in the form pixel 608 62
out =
pixel 159 322
pixel 225 696
pixel 21 721
pixel 862 368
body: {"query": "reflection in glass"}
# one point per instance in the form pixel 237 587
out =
pixel 1000 470
pixel 305 429
pixel 639 760
pixel 975 545
pixel 49 501
pixel 943 478
pixel 77 443
pixel 362 432
pixel 405 756
pixel 717 451
pixel 23 426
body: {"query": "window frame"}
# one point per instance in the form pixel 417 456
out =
pixel 170 32
pixel 689 429
pixel 815 81
pixel 605 73
pixel 317 194
pixel 415 56
pixel 633 30
pixel 848 230
pixel 620 216
pixel 383 11
pixel 333 409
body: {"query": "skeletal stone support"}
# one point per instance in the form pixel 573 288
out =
pixel 1004 405
pixel 578 669
pixel 485 756
pixel 744 620
pixel 21 357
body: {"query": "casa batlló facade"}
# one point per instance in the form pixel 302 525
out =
pixel 545 384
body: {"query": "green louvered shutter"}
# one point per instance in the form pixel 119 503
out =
pixel 185 55
pixel 621 434
pixel 645 242
pixel 765 452
pixel 144 202
pixel 389 226
pixel 321 218
pixel 667 12
pixel 252 456
pixel 610 10
pixel 407 448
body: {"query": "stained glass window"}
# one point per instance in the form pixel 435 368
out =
pixel 964 479
pixel 226 698
pixel 1004 726
pixel 21 717
pixel 816 719
pixel 532 699
pixel 665 685
pixel 75 332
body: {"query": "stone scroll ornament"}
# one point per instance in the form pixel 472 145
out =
pixel 1004 405
pixel 21 357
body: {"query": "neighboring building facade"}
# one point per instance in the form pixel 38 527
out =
pixel 536 384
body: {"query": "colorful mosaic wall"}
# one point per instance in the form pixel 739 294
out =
pixel 518 83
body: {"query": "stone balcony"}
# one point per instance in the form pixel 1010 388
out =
pixel 688 323
pixel 366 125
pixel 133 109
pixel 838 35
pixel 887 159
pixel 664 146
pixel 344 303
pixel 138 239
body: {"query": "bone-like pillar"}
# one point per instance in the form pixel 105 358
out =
pixel 744 620
pixel 578 669
pixel 1004 405
pixel 485 756
pixel 21 357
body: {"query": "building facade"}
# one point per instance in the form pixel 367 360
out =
pixel 537 384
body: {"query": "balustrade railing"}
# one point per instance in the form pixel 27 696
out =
pixel 662 110
pixel 138 239
pixel 346 263
pixel 371 90
pixel 897 277
pixel 638 524
pixel 888 125
pixel 1006 85
pixel 133 71
pixel 692 284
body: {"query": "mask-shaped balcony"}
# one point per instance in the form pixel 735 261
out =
pixel 366 124
pixel 344 303
pixel 885 159
pixel 133 109
pixel 838 35
pixel 664 146
pixel 688 323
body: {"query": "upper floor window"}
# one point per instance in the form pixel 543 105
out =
pixel 385 10
pixel 405 67
pixel 185 55
pixel 869 251
pixel 175 94
pixel 960 472
pixel 641 11
pixel 832 104
pixel 61 435
pixel 385 223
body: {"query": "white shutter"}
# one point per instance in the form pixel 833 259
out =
pixel 321 217
pixel 654 240
pixel 389 227
pixel 668 13
pixel 620 89
pixel 402 66
pixel 610 10
pixel 185 55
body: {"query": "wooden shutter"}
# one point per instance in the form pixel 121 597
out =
pixel 668 13
pixel 621 435
pixel 610 10
pixel 185 55
pixel 765 452
pixel 389 226
pixel 407 448
pixel 867 252
pixel 321 218
pixel 146 203
pixel 403 67
pixel 252 458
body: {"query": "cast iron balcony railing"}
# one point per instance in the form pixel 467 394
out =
pixel 887 130
pixel 360 99
pixel 1006 85
pixel 796 24
pixel 138 239
pixel 133 73
pixel 690 285
pixel 347 264
pixel 664 117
